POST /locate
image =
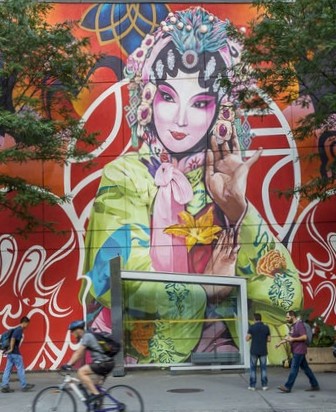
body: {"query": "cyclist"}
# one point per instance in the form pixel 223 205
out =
pixel 101 364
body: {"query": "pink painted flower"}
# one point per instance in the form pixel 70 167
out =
pixel 222 131
pixel 164 157
pixel 226 112
pixel 148 93
pixel 135 62
pixel 139 54
pixel 144 114
pixel 148 41
pixel 194 164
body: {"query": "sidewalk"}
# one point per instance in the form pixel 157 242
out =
pixel 166 391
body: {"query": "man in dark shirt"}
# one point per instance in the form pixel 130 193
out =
pixel 14 358
pixel 297 339
pixel 259 333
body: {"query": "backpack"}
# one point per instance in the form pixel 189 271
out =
pixel 309 333
pixel 109 346
pixel 5 339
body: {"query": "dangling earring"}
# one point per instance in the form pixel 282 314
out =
pixel 133 72
pixel 144 113
pixel 222 129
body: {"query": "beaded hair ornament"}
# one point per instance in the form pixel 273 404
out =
pixel 192 32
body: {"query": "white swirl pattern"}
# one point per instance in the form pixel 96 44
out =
pixel 325 270
pixel 32 268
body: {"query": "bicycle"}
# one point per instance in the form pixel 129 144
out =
pixel 60 398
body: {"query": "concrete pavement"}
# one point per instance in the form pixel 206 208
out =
pixel 201 391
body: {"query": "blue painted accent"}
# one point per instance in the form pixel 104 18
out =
pixel 120 17
pixel 118 244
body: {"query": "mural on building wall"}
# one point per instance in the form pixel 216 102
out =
pixel 183 181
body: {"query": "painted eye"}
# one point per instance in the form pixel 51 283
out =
pixel 166 96
pixel 201 104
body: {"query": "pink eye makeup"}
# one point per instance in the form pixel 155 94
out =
pixel 203 101
pixel 167 93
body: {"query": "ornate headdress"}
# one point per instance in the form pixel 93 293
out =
pixel 193 32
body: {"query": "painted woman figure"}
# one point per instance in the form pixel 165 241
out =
pixel 178 204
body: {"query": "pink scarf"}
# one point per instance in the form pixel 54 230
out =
pixel 168 252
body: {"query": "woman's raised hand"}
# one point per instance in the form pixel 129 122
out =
pixel 226 176
pixel 225 253
pixel 222 263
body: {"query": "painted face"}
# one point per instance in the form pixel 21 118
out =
pixel 183 112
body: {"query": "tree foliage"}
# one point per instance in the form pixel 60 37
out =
pixel 43 68
pixel 289 52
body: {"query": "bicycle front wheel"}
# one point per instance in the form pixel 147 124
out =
pixel 54 399
pixel 122 398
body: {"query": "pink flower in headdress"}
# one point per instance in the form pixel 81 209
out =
pixel 136 60
pixel 226 112
pixel 222 131
pixel 144 114
pixel 139 54
pixel 148 41
pixel 131 63
pixel 148 93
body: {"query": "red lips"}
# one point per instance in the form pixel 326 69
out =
pixel 178 135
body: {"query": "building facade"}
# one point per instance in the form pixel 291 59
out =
pixel 179 185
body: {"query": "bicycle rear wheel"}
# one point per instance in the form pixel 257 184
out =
pixel 122 398
pixel 54 399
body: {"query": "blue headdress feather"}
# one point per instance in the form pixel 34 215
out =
pixel 211 41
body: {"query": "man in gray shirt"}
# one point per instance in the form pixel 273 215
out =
pixel 101 364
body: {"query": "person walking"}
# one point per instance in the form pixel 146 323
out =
pixel 297 339
pixel 259 334
pixel 14 358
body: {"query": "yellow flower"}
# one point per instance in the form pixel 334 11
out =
pixel 201 230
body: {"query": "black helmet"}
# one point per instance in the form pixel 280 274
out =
pixel 77 324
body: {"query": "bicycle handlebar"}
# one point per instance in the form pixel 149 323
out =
pixel 66 367
pixel 65 372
